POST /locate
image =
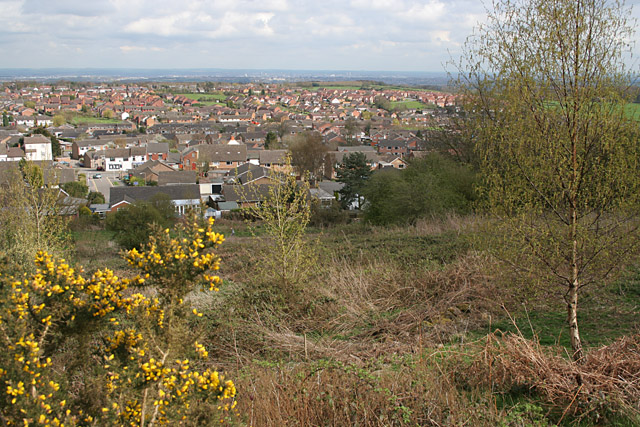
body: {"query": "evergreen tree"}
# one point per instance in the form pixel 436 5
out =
pixel 353 172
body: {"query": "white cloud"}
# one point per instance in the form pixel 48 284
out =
pixel 339 34
pixel 433 11
pixel 377 4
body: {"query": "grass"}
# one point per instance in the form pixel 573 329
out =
pixel 412 105
pixel 366 85
pixel 96 249
pixel 81 120
pixel 632 110
pixel 205 98
pixel 393 329
pixel 605 314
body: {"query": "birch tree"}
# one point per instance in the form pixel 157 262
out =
pixel 547 87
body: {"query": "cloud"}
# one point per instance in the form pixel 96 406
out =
pixel 295 34
pixel 433 11
pixel 195 25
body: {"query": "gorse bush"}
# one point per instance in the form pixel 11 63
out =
pixel 105 350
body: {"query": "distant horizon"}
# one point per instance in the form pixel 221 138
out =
pixel 239 75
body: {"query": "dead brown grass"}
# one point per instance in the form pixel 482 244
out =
pixel 608 381
pixel 336 394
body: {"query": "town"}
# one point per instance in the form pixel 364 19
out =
pixel 194 137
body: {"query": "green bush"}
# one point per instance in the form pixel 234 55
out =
pixel 433 186
pixel 133 225
pixel 76 189
pixel 324 216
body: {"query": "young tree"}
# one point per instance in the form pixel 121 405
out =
pixel 59 120
pixel 353 172
pixel 307 153
pixel 351 128
pixel 558 155
pixel 284 214
pixel 29 219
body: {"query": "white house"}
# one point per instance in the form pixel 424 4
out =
pixel 124 158
pixel 32 121
pixel 37 148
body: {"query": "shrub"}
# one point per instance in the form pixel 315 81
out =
pixel 133 224
pixel 434 186
pixel 97 350
pixel 324 216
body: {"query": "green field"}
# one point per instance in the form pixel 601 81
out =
pixel 632 110
pixel 412 104
pixel 205 98
pixel 81 120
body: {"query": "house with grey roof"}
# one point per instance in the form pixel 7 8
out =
pixel 157 150
pixel 124 158
pixel 273 158
pixel 176 177
pixel 216 156
pixel 182 196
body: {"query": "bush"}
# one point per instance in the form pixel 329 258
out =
pixel 95 350
pixel 76 189
pixel 324 216
pixel 133 224
pixel 433 186
pixel 95 197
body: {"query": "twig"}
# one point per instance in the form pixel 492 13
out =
pixel 570 404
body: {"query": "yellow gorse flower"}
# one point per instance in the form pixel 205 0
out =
pixel 138 376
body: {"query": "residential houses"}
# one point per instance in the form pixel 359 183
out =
pixel 187 143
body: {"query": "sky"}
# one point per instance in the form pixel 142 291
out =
pixel 372 35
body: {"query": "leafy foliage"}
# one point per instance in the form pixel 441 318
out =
pixel 307 153
pixel 559 157
pixel 95 197
pixel 29 220
pixel 270 140
pixel 433 186
pixel 76 189
pixel 284 214
pixel 133 224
